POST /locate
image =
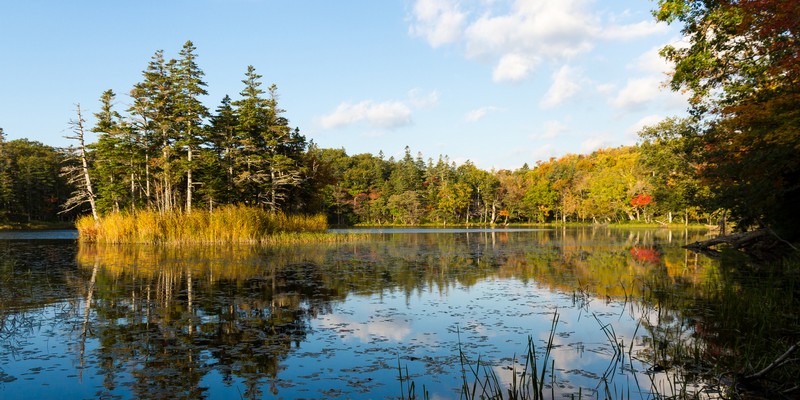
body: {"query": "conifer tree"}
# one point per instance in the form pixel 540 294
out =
pixel 154 105
pixel 114 157
pixel 285 147
pixel 226 148
pixel 270 159
pixel 252 110
pixel 189 110
pixel 6 182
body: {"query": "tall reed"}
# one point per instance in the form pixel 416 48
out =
pixel 228 224
pixel 480 381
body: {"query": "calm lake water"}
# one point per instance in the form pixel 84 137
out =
pixel 337 320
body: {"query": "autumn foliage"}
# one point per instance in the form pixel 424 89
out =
pixel 641 200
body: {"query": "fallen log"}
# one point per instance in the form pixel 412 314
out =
pixel 737 240
pixel 779 362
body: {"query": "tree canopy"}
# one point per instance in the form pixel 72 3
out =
pixel 742 69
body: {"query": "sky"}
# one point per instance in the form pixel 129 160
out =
pixel 500 83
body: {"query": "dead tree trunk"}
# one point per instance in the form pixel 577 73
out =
pixel 737 240
pixel 79 175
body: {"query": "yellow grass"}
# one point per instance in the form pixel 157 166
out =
pixel 228 224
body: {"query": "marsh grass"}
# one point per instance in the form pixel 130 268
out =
pixel 526 384
pixel 229 224
pixel 756 320
pixel 480 381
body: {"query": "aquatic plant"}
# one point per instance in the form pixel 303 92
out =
pixel 480 381
pixel 228 224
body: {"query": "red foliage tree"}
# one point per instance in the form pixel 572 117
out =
pixel 641 200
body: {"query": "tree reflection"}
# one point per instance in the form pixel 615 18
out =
pixel 174 321
pixel 177 313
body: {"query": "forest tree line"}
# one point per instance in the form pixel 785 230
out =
pixel 734 156
pixel 648 182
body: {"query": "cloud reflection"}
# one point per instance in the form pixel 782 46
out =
pixel 389 328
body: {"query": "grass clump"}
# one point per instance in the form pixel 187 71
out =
pixel 228 224
pixel 479 381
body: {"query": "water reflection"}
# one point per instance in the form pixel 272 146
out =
pixel 335 320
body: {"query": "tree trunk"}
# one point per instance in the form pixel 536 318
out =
pixel 81 177
pixel 147 177
pixel 166 180
pixel 133 189
pixel 736 240
pixel 189 181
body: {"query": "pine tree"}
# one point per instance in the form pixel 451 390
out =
pixel 285 147
pixel 250 170
pixel 226 148
pixel 154 107
pixel 6 182
pixel 190 111
pixel 114 158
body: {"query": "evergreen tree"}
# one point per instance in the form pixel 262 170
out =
pixel 114 156
pixel 6 181
pixel 154 105
pixel 250 169
pixel 39 190
pixel 406 176
pixel 189 110
pixel 285 146
pixel 269 163
pixel 226 148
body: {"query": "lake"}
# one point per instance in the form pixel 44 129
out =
pixel 608 312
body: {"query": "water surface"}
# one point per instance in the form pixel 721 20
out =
pixel 336 321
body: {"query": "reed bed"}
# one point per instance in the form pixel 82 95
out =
pixel 228 224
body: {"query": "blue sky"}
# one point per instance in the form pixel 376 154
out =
pixel 497 82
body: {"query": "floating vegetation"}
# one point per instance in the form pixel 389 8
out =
pixel 344 319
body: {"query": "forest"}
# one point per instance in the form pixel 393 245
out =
pixel 646 183
pixel 168 152
pixel 733 158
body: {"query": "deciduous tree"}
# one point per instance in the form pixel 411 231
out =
pixel 742 70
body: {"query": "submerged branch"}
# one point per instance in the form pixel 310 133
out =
pixel 779 362
pixel 737 240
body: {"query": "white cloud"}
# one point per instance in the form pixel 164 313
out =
pixel 648 120
pixel 438 21
pixel 422 100
pixel 513 68
pixel 543 153
pixel 652 62
pixel 605 88
pixel 565 85
pixel 596 142
pixel 478 114
pixel 517 38
pixel 385 115
pixel 635 30
pixel 392 329
pixel 531 32
pixel 637 92
pixel 553 129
